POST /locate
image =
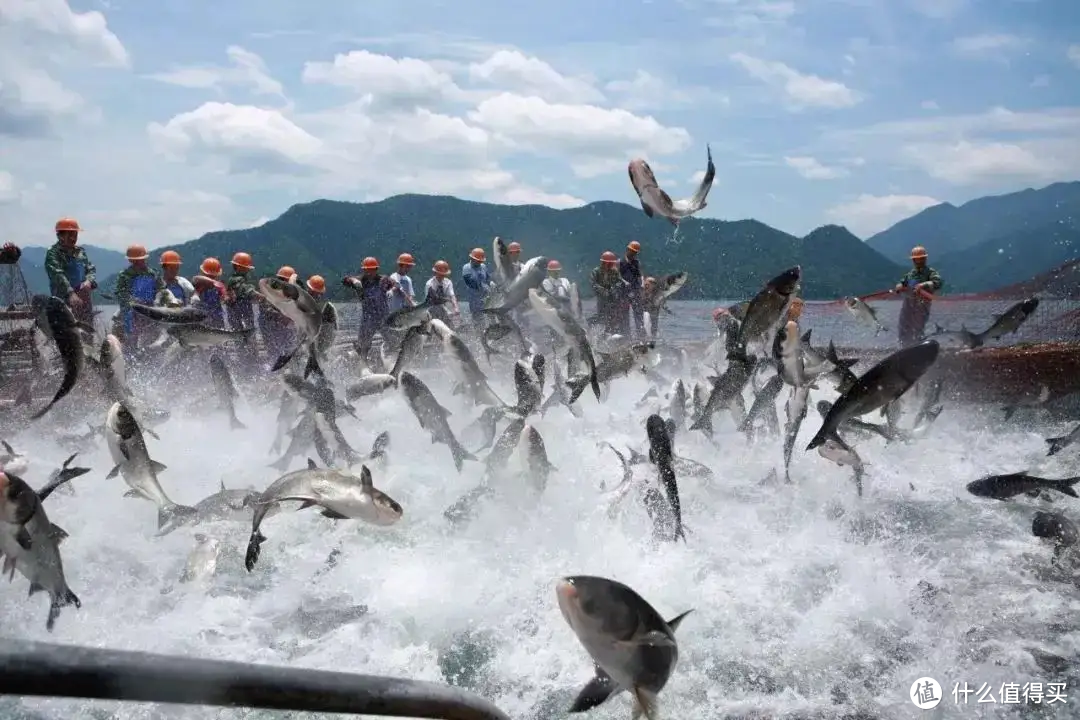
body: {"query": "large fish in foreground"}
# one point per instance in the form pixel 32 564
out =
pixel 1003 487
pixel 654 201
pixel 184 315
pixel 1006 323
pixel 32 546
pixel 296 303
pixel 633 647
pixel 661 453
pixel 764 309
pixel 464 366
pixel 532 274
pixel 878 387
pixel 127 446
pixel 433 417
pixel 204 336
pixel 610 365
pixel 69 343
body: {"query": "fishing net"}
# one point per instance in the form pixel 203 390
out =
pixel 1057 319
pixel 19 355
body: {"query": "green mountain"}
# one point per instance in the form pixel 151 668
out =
pixel 724 259
pixel 946 229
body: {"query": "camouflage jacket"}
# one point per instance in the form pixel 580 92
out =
pixel 914 276
pixel 240 288
pixel 122 293
pixel 57 259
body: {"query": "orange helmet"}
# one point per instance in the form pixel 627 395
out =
pixel 609 258
pixel 405 259
pixel 211 267
pixel 513 247
pixel 137 252
pixel 478 255
pixel 918 252
pixel 316 284
pixel 369 263
pixel 170 257
pixel 554 265
pixel 634 247
pixel 243 260
pixel 441 268
pixel 67 225
pixel 285 272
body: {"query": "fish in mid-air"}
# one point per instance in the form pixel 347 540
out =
pixel 633 647
pixel 864 313
pixel 654 201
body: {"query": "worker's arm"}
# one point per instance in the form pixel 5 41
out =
pixel 56 269
pixel 934 282
pixel 122 292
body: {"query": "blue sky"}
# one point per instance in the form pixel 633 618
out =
pixel 155 122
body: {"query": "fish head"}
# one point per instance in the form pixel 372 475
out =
pixel 18 501
pixel 851 302
pixel 386 510
pixel 832 450
pixel 597 610
pixel 121 421
pixel 59 314
pixel 786 282
pixel 1030 305
pixel 641 175
pixel 278 292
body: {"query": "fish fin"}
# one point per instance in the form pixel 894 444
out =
pixel 22 536
pixel 645 703
pixel 674 622
pixel 648 210
pixel 235 424
pixel 174 516
pixel 595 693
pixel 311 464
pixel 133 494
pixel 57 533
pixel 365 477
pixel 307 503
pixel 334 515
pixel 113 473
pixel 252 555
pixel 1055 444
pixel 151 433
pixel 35 588
pixel 7 448
pixel 223 483
pixel 282 361
pixel 654 638
pixel 157 467
pixel 9 568
pixel 1066 486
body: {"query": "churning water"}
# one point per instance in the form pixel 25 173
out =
pixel 809 602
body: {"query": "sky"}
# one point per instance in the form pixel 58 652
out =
pixel 155 122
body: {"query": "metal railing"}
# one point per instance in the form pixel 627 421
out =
pixel 70 671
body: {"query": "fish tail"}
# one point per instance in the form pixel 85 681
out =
pixel 1056 444
pixel 1066 486
pixel 252 555
pixel 818 440
pixel 460 454
pixel 577 386
pixel 171 517
pixel 594 381
pixel 313 362
pixel 704 423
pixel 64 598
pixel 234 422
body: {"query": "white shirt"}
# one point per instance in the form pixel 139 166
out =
pixel 398 298
pixel 439 287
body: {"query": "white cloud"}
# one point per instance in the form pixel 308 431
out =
pixel 247 70
pixel 870 214
pixel 166 216
pixel 36 39
pixel 394 83
pixel 646 91
pixel 1073 54
pixel 800 89
pixel 523 75
pixel 971 163
pixel 811 169
pixel 989 45
pixel 8 191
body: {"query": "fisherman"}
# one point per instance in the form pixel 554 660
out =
pixel 137 283
pixel 10 254
pixel 403 295
pixel 71 274
pixel 373 290
pixel 630 270
pixel 554 285
pixel 276 329
pixel 210 292
pixel 180 288
pixel 440 287
pixel 240 305
pixel 316 285
pixel 477 281
pixel 513 267
pixel 919 284
pixel 607 285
